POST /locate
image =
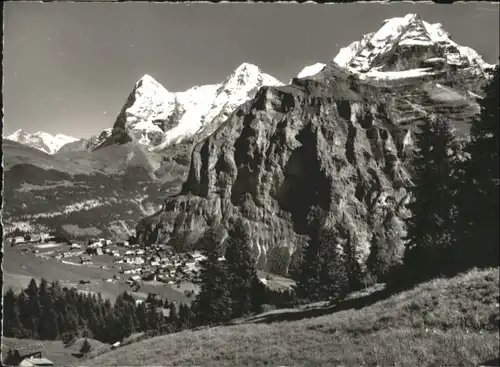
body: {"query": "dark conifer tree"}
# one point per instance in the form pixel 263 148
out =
pixel 212 304
pixel 334 268
pixel 166 303
pixel 325 269
pixel 378 263
pixel 430 228
pixel 86 347
pixel 11 320
pixel 479 204
pixel 12 359
pixel 142 317
pixel 241 273
pixel 173 318
pixel 307 276
pixel 184 316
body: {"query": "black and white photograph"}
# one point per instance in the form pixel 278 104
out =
pixel 250 184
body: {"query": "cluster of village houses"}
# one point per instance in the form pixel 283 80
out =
pixel 154 263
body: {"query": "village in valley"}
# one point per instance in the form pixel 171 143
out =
pixel 130 263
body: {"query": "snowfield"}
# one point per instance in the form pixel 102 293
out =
pixel 311 70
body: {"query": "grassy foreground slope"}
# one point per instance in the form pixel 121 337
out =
pixel 443 322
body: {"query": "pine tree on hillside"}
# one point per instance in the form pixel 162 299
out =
pixel 430 228
pixel 12 359
pixel 334 268
pixel 141 317
pixel 241 272
pixel 172 316
pixel 166 303
pixel 86 347
pixel 212 304
pixel 378 260
pixel 479 204
pixel 307 281
pixel 184 316
pixel 11 319
pixel 324 272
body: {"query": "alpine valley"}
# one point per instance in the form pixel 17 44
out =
pixel 338 137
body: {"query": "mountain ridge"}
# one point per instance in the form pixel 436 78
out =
pixel 157 118
pixel 42 141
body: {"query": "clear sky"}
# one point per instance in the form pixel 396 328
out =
pixel 69 67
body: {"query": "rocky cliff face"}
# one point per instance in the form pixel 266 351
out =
pixel 331 142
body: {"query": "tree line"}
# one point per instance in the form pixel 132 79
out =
pixel 50 312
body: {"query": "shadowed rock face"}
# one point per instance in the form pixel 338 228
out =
pixel 328 142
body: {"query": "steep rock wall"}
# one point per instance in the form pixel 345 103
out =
pixel 326 143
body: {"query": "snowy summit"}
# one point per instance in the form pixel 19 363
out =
pixel 41 140
pixel 155 117
pixel 407 43
pixel 405 47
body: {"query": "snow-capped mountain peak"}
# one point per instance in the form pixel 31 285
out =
pixel 406 43
pixel 148 103
pixel 41 140
pixel 147 81
pixel 156 117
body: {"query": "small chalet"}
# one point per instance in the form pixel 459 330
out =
pixel 18 240
pixel 135 278
pixel 85 259
pixel 31 351
pixel 149 276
